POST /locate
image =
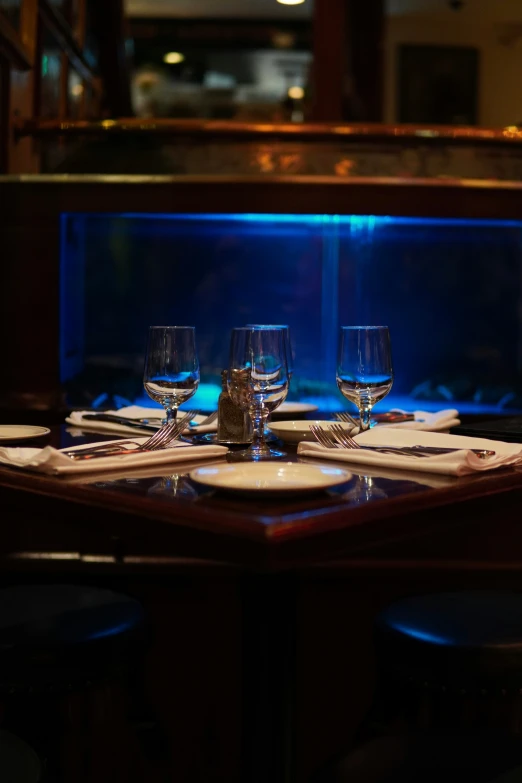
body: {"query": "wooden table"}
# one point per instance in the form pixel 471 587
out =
pixel 383 531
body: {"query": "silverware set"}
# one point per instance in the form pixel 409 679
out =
pixel 337 437
pixel 161 439
pixel 344 416
pixel 384 418
pixel 211 418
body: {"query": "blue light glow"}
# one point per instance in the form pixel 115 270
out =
pixel 112 631
pixel 423 636
pixel 357 222
pixel 428 279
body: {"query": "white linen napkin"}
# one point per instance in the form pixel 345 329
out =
pixel 54 462
pixel 428 422
pixel 132 412
pixel 459 463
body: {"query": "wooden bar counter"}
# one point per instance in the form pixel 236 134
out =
pixel 262 610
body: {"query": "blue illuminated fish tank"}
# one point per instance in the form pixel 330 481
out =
pixel 450 291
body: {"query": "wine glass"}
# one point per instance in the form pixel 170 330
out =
pixel 171 373
pixel 364 368
pixel 288 343
pixel 269 435
pixel 257 382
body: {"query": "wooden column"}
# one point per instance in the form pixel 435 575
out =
pixel 329 63
pixel 347 71
pixel 366 28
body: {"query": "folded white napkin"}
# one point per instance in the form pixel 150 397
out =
pixel 54 462
pixel 429 422
pixel 132 412
pixel 458 463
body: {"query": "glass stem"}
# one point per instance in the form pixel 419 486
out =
pixel 365 414
pixel 259 418
pixel 172 414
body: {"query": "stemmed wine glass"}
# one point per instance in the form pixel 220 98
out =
pixel 171 373
pixel 258 383
pixel 288 343
pixel 364 367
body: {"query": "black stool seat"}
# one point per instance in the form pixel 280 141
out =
pixel 468 639
pixel 60 634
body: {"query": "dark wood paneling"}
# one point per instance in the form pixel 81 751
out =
pixel 330 61
pixel 63 34
pixel 11 46
pixel 50 196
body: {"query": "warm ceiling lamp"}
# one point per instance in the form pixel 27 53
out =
pixel 290 2
pixel 173 58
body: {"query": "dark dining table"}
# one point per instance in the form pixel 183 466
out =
pixel 309 573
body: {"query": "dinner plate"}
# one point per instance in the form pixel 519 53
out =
pixel 297 431
pixel 294 408
pixel 270 477
pixel 21 431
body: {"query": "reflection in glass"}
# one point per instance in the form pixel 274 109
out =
pixel 257 383
pixel 364 490
pixel 175 486
pixel 171 375
pixel 75 94
pixel 218 69
pixel 50 83
pixel 364 368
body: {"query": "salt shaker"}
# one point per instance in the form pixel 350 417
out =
pixel 234 425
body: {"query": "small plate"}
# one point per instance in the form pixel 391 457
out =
pixel 21 431
pixel 270 477
pixel 297 431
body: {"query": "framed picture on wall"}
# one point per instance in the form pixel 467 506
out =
pixel 438 84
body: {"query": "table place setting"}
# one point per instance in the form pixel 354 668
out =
pixel 438 421
pixel 141 420
pixel 254 386
pixel 96 458
pixel 403 449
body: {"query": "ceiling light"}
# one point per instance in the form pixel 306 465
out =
pixel 296 93
pixel 290 2
pixel 173 58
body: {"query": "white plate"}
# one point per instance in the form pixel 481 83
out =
pixel 21 432
pixel 268 477
pixel 295 408
pixel 296 431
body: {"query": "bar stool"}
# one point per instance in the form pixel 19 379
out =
pixel 65 651
pixel 448 704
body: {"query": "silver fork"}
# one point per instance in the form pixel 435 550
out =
pixel 406 451
pixel 323 437
pixel 344 416
pixel 348 442
pixel 159 440
pixel 209 420
pixel 336 437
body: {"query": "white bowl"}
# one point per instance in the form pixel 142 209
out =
pixel 296 431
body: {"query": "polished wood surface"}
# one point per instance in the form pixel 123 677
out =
pixel 48 196
pixel 197 128
pixel 374 511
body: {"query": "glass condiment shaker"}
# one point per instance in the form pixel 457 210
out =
pixel 234 425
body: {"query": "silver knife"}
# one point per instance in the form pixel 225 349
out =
pixel 432 449
pixel 121 420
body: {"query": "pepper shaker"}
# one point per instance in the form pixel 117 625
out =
pixel 234 424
